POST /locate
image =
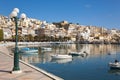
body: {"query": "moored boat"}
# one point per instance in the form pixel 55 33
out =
pixel 60 61
pixel 115 65
pixel 46 48
pixel 59 56
pixel 28 50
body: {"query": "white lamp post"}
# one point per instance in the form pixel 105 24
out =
pixel 13 16
pixel 23 16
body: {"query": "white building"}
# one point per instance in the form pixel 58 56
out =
pixel 86 34
pixel 7 33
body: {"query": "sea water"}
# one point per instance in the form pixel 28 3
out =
pixel 93 66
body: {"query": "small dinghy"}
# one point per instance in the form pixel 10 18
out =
pixel 114 65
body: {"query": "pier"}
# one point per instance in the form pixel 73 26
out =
pixel 29 72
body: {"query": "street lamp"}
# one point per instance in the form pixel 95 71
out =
pixel 13 16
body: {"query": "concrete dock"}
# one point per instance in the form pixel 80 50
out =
pixel 29 72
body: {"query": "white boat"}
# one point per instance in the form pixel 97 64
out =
pixel 115 65
pixel 58 56
pixel 46 48
pixel 28 50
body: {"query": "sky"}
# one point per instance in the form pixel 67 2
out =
pixel 101 13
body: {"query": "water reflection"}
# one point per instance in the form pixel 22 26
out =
pixel 91 49
pixel 114 71
pixel 61 61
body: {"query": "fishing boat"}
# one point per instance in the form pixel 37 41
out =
pixel 28 50
pixel 114 65
pixel 59 56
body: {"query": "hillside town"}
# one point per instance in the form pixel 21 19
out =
pixel 30 29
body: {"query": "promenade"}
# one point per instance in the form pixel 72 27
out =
pixel 29 72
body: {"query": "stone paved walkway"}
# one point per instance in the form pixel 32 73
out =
pixel 28 73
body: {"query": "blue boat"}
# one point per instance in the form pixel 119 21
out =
pixel 28 50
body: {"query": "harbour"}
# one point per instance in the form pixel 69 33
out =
pixel 90 67
pixel 60 40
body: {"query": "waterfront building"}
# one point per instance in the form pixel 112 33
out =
pixel 75 32
pixel 7 33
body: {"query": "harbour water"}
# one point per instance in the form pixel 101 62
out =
pixel 93 66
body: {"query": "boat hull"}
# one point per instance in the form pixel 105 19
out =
pixel 114 65
pixel 28 50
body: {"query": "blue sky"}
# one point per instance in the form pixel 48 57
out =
pixel 103 13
